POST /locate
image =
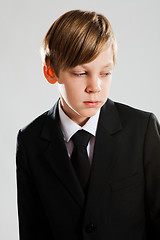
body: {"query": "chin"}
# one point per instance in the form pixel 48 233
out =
pixel 90 113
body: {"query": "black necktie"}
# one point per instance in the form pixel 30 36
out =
pixel 79 157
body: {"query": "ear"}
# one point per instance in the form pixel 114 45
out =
pixel 49 74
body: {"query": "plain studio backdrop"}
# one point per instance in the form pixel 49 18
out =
pixel 25 93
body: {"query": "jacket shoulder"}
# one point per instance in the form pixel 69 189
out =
pixel 35 122
pixel 126 110
pixel 33 129
pixel 133 117
pixel 136 116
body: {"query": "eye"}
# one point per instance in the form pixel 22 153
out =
pixel 80 74
pixel 106 74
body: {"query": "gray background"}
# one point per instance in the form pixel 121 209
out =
pixel 25 94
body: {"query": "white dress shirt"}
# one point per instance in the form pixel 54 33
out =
pixel 69 128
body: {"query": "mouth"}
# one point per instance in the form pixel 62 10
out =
pixel 91 103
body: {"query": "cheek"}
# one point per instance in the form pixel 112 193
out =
pixel 106 87
pixel 69 92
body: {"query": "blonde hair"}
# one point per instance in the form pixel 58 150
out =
pixel 77 37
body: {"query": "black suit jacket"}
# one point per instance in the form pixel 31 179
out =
pixel 123 201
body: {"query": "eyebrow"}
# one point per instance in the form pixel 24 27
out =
pixel 108 65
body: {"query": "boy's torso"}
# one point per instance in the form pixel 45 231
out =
pixel 115 207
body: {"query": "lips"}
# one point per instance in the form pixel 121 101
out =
pixel 91 103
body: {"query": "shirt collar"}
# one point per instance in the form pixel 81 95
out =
pixel 69 127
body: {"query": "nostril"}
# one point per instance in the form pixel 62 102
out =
pixel 93 89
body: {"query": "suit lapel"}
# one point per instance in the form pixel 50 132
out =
pixel 57 156
pixel 104 153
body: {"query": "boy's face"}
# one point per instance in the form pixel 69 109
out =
pixel 85 88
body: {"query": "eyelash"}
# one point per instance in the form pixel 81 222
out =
pixel 82 74
pixel 79 74
pixel 106 74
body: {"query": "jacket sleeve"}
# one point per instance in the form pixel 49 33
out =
pixel 32 220
pixel 152 178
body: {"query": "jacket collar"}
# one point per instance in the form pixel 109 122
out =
pixel 109 117
pixel 51 124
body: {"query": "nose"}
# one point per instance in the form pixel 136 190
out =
pixel 93 85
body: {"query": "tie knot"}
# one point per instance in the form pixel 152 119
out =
pixel 81 138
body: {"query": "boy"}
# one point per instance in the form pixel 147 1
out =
pixel 109 188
